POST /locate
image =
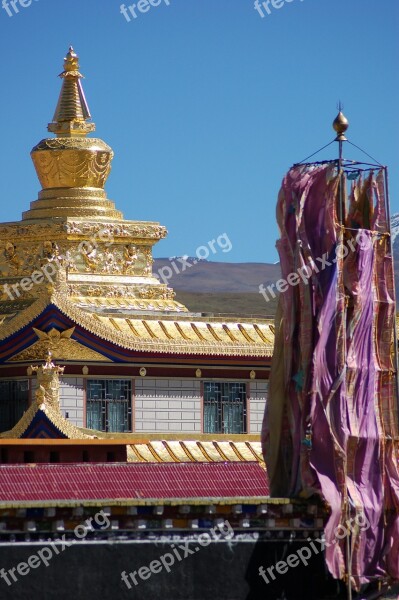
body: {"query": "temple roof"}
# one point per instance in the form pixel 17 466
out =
pixel 202 449
pixel 188 334
pixel 128 482
pixel 43 422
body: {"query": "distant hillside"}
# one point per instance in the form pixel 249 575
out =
pixel 244 304
pixel 219 287
pixel 212 277
pixel 233 288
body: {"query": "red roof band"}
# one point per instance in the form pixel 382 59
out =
pixel 44 482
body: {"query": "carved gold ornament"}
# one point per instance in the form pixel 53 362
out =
pixel 48 381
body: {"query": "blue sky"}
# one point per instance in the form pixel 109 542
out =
pixel 205 103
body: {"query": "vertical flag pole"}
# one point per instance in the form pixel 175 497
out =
pixel 395 334
pixel 340 125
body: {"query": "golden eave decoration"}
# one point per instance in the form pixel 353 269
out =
pixel 47 401
pixel 166 334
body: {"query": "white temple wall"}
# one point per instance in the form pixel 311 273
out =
pixel 163 405
pixel 168 405
pixel 257 403
pixel 72 399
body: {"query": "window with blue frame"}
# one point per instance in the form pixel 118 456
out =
pixel 109 404
pixel 225 407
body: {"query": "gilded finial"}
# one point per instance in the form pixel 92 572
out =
pixel 49 357
pixel 340 125
pixel 71 62
pixel 72 112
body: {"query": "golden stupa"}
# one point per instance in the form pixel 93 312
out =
pixel 73 238
pixel 77 279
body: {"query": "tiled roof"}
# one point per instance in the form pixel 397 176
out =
pixel 43 422
pixel 195 451
pixel 94 481
pixel 171 334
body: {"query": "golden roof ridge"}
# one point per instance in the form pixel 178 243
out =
pixel 125 339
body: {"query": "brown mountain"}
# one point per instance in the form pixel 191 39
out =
pixel 216 287
pixel 232 288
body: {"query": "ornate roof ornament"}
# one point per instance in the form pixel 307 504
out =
pixel 72 237
pixel 48 390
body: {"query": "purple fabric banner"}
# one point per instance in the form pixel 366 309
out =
pixel 332 409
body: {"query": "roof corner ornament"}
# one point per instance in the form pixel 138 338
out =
pixel 48 389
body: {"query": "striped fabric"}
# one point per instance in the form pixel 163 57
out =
pixel 332 415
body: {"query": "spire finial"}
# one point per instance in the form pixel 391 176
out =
pixel 71 62
pixel 340 124
pixel 72 112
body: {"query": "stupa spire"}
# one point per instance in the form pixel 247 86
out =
pixel 72 111
pixel 72 169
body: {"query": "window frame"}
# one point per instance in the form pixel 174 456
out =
pixel 222 406
pixel 107 400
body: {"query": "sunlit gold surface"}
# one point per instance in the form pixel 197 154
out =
pixel 61 346
pixel 101 266
pixel 48 382
pixel 72 231
pixel 171 334
pixel 340 125
pixel 70 161
pixel 195 450
pixel 62 424
pixel 47 401
pixel 72 112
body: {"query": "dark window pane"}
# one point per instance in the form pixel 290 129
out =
pixel 54 457
pixel 14 399
pixel 29 456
